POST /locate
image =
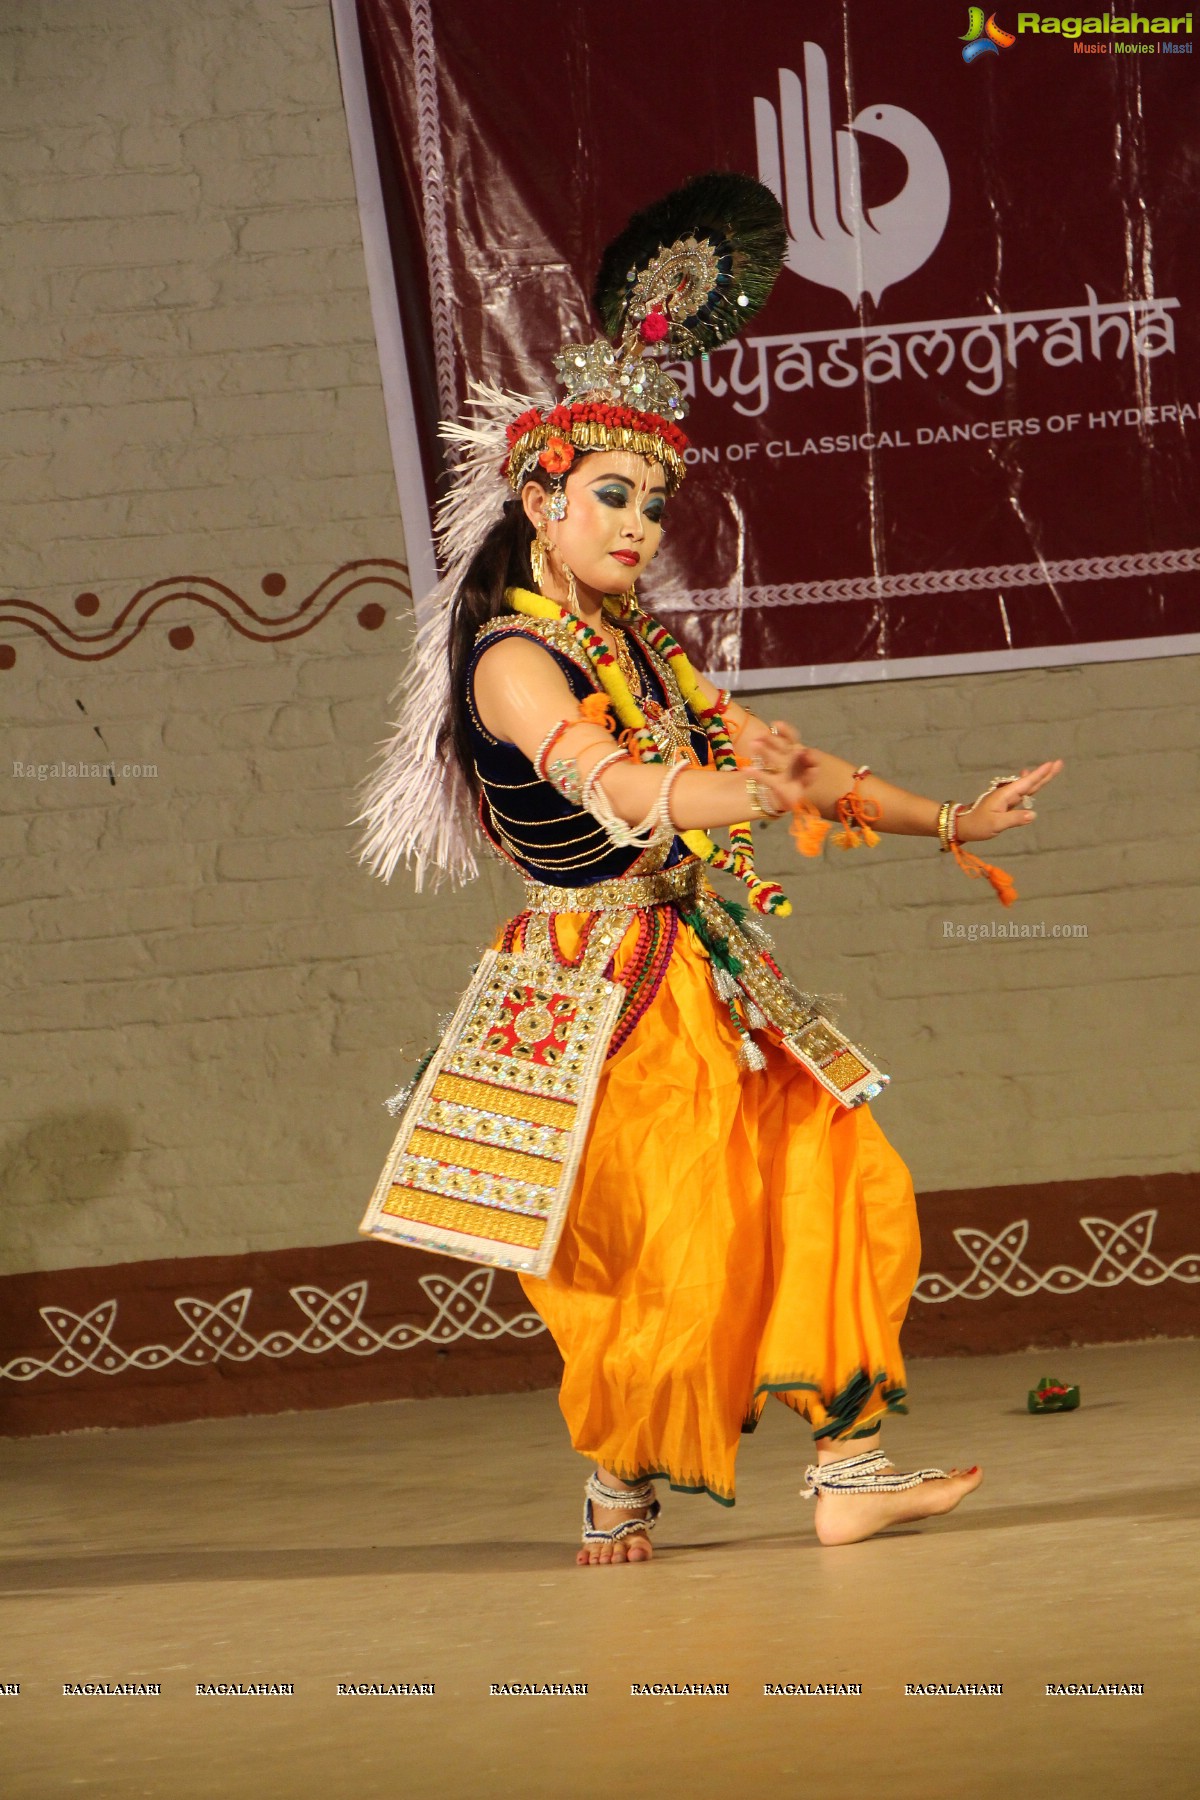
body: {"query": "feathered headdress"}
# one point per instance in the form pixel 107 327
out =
pixel 682 278
pixel 416 806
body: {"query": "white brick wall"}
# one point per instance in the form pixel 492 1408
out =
pixel 205 998
pixel 188 378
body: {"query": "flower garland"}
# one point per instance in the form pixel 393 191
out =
pixel 765 896
pixel 738 860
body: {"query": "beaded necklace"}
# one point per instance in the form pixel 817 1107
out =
pixel 765 896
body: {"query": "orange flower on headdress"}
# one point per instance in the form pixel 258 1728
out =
pixel 557 457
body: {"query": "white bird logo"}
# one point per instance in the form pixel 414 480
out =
pixel 817 182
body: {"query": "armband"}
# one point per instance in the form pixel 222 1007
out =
pixel 562 772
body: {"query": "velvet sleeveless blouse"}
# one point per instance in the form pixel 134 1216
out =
pixel 529 822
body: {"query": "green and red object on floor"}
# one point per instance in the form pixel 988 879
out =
pixel 1052 1396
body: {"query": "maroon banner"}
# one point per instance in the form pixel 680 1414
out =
pixel 963 431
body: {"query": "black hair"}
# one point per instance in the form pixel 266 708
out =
pixel 501 561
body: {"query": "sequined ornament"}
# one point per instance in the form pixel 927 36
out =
pixel 484 1161
pixel 742 967
pixel 701 261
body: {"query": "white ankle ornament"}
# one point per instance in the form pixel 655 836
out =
pixel 625 1498
pixel 870 1473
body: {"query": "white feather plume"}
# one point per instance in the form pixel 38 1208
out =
pixel 415 805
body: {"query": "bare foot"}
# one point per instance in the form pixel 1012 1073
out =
pixel 849 1518
pixel 634 1547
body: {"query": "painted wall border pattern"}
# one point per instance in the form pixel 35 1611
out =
pixel 1123 1253
pixel 463 1309
pixel 936 581
pixel 243 615
pixel 218 1329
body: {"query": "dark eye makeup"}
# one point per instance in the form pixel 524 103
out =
pixel 616 496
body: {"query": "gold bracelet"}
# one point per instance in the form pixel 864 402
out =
pixel 759 809
pixel 947 823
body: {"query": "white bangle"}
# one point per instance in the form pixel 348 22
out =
pixel 641 836
pixel 666 825
pixel 588 791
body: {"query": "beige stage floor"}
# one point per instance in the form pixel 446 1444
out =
pixel 431 1542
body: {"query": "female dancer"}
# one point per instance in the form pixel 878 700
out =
pixel 737 1226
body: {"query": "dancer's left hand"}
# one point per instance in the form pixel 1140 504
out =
pixel 1005 806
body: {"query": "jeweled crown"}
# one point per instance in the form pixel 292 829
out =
pixel 682 278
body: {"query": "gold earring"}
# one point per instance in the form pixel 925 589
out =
pixel 538 552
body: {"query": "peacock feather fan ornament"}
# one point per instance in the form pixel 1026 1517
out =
pixel 686 274
pixel 682 278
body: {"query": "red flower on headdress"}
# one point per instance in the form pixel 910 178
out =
pixel 655 326
pixel 557 457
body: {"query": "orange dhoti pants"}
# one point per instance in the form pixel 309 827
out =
pixel 731 1235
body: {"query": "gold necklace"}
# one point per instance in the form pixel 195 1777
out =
pixel 625 660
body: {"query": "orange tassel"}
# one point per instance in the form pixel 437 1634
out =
pixel 808 829
pixel 597 710
pixel 629 740
pixel 856 812
pixel 974 866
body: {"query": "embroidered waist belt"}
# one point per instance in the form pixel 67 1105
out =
pixel 745 972
pixel 679 886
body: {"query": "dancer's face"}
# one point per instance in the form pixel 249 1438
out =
pixel 614 522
